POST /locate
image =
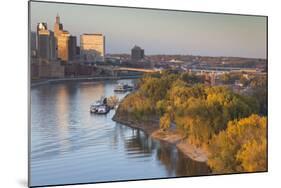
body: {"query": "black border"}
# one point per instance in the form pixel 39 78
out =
pixel 145 8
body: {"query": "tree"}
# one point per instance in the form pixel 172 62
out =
pixel 165 122
pixel 154 88
pixel 253 156
pixel 191 78
pixel 200 111
pixel 229 78
pixel 259 86
pixel 245 81
pixel 239 148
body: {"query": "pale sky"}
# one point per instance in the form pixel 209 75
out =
pixel 159 31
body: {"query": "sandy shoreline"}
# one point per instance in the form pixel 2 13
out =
pixel 170 136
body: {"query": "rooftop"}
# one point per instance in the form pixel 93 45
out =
pixel 98 34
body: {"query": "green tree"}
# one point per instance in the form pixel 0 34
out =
pixel 259 86
pixel 191 78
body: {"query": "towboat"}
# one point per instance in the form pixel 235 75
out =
pixel 100 106
pixel 103 109
pixel 123 88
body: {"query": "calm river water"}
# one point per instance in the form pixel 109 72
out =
pixel 70 145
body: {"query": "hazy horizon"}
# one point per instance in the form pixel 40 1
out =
pixel 159 31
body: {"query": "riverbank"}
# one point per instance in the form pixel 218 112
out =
pixel 170 136
pixel 35 83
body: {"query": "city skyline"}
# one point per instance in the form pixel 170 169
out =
pixel 169 32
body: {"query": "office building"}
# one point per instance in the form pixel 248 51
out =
pixel 92 47
pixel 33 43
pixel 77 50
pixel 58 27
pixel 42 68
pixel 46 42
pixel 66 44
pixel 63 45
pixel 137 53
pixel 72 47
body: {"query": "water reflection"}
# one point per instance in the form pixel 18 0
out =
pixel 139 143
pixel 70 145
pixel 178 164
pixel 62 106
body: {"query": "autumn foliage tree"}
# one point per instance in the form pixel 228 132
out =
pixel 241 147
pixel 200 111
pixel 165 122
pixel 211 117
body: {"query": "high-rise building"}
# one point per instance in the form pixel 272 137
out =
pixel 58 27
pixel 92 47
pixel 66 44
pixel 46 42
pixel 42 40
pixel 63 45
pixel 53 46
pixel 77 50
pixel 33 43
pixel 41 26
pixel 137 53
pixel 72 47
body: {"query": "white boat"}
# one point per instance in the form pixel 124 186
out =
pixel 103 109
pixel 123 88
pixel 100 106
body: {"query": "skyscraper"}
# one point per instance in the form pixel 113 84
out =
pixel 72 47
pixel 92 47
pixel 62 38
pixel 46 42
pixel 63 45
pixel 42 40
pixel 58 27
pixel 53 46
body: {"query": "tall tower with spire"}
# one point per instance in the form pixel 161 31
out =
pixel 58 27
pixel 57 18
pixel 64 41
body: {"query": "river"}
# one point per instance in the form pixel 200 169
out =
pixel 69 145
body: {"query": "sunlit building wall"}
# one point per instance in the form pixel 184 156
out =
pixel 66 44
pixel 58 27
pixel 92 47
pixel 63 45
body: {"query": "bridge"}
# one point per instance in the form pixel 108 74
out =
pixel 222 70
pixel 135 69
pixel 115 69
